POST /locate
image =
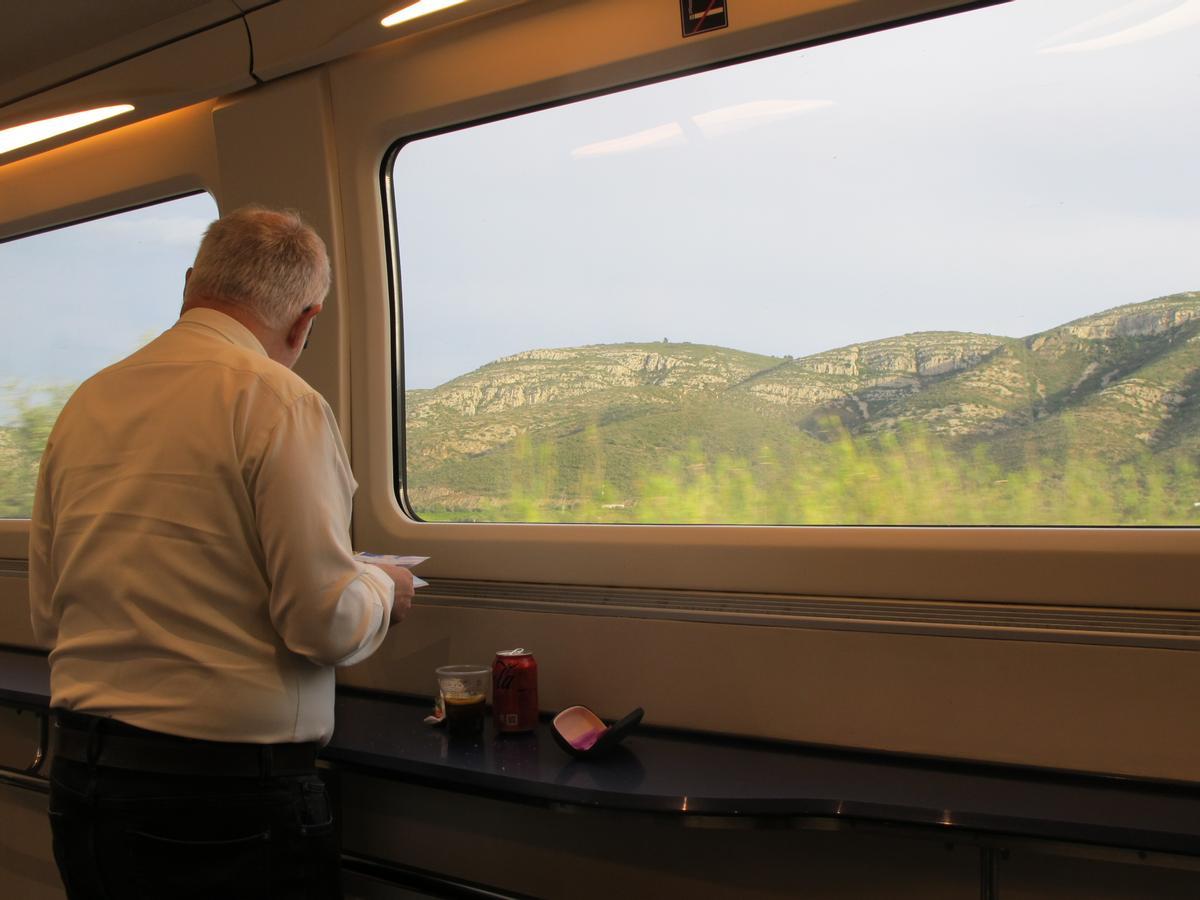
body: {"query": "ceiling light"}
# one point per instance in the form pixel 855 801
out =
pixel 415 10
pixel 32 132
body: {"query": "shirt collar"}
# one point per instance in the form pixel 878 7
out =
pixel 226 326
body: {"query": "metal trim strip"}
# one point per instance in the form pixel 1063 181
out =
pixel 1158 629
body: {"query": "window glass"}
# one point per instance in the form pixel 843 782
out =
pixel 942 274
pixel 75 300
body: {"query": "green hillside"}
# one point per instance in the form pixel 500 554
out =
pixel 1097 420
pixel 22 440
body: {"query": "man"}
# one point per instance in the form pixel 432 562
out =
pixel 190 563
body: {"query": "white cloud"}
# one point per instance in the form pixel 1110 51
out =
pixel 730 119
pixel 1132 9
pixel 1185 15
pixel 661 136
pixel 714 123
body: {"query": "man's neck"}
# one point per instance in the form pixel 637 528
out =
pixel 272 341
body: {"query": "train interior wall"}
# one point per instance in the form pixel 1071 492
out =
pixel 314 141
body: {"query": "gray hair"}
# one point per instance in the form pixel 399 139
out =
pixel 266 260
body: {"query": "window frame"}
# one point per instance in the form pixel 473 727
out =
pixel 1119 566
pixel 1062 565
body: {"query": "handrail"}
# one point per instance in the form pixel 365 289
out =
pixel 26 782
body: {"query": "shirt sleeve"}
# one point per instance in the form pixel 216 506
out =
pixel 42 614
pixel 323 604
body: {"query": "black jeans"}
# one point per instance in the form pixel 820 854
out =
pixel 124 835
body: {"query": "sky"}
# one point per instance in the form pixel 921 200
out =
pixel 79 298
pixel 1002 170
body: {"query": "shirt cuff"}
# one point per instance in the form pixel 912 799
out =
pixel 381 593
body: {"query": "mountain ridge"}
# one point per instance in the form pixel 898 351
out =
pixel 1121 382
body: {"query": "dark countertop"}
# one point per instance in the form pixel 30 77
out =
pixel 689 774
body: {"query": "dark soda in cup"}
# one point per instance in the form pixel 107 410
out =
pixel 464 715
pixel 463 691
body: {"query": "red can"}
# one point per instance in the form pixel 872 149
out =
pixel 514 690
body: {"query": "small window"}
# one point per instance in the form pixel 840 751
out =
pixel 944 274
pixel 77 299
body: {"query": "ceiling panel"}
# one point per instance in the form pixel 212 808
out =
pixel 44 44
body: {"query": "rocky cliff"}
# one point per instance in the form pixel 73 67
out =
pixel 1122 380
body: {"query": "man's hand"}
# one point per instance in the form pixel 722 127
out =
pixel 402 578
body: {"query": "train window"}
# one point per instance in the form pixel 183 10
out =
pixel 78 298
pixel 940 274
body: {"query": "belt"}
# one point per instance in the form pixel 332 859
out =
pixel 101 741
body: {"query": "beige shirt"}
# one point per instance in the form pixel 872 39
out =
pixel 189 557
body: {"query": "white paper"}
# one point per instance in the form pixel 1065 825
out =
pixel 387 559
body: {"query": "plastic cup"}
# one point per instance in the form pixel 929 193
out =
pixel 464 694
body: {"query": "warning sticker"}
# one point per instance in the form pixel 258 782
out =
pixel 703 15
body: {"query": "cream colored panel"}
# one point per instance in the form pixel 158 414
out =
pixel 488 66
pixel 302 33
pixel 205 65
pixel 1069 706
pixel 15 627
pixel 583 853
pixel 1085 567
pixel 276 149
pixel 59 43
pixel 14 540
pixel 162 157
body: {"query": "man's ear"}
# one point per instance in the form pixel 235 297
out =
pixel 298 333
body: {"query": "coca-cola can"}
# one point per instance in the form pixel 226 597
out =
pixel 514 690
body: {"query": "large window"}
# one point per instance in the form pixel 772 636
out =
pixel 942 274
pixel 75 300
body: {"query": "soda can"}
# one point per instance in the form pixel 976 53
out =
pixel 514 691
